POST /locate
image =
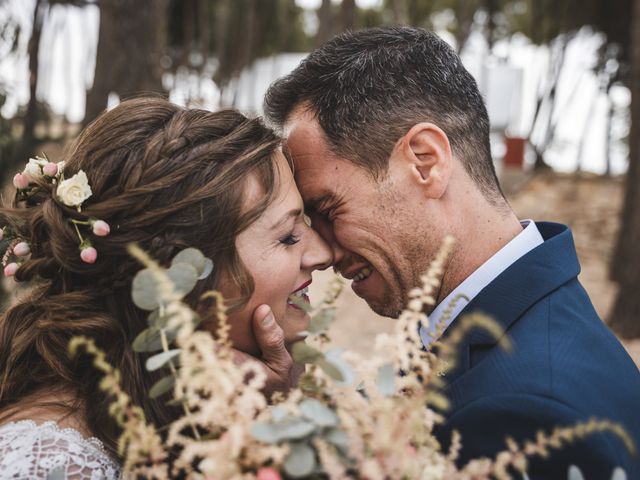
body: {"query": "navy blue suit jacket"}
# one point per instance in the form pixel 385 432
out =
pixel 565 367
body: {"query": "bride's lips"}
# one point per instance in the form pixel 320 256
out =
pixel 302 292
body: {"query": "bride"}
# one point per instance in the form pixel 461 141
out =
pixel 166 178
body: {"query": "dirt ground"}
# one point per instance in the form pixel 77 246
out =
pixel 589 205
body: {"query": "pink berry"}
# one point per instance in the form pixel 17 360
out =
pixel 268 473
pixel 89 255
pixel 50 169
pixel 11 269
pixel 21 249
pixel 101 228
pixel 21 181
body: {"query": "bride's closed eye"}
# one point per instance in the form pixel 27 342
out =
pixel 290 239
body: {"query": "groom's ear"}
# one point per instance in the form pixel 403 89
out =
pixel 425 156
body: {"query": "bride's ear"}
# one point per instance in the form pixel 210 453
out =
pixel 425 154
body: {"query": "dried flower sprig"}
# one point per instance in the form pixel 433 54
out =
pixel 517 457
pixel 139 444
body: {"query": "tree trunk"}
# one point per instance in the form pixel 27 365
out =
pixel 130 46
pixel 625 316
pixel 31 115
pixel 347 15
pixel 399 12
pixel 607 143
pixel 464 17
pixel 325 23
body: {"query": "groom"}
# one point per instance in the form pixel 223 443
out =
pixel 390 139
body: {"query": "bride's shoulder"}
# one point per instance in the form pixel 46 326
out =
pixel 31 450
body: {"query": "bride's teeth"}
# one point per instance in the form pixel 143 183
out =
pixel 362 274
pixel 301 293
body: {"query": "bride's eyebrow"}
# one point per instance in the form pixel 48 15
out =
pixel 296 212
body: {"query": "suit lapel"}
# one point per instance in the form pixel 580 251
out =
pixel 529 279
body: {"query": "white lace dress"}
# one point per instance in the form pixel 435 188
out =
pixel 45 451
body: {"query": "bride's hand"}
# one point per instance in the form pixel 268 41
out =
pixel 282 372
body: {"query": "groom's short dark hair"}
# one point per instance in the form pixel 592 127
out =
pixel 367 88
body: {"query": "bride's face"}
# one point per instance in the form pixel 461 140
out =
pixel 280 250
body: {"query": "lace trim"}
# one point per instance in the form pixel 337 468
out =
pixel 51 426
pixel 29 450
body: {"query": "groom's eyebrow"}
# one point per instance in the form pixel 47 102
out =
pixel 314 204
pixel 291 213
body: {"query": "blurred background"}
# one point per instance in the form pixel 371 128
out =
pixel 561 80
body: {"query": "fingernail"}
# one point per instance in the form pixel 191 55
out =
pixel 268 320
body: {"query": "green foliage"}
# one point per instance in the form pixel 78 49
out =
pixel 153 289
pixel 304 353
pixel 161 359
pixel 318 413
pixel 301 460
pixel 150 339
pixel 162 386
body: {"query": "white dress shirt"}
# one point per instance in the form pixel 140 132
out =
pixel 520 245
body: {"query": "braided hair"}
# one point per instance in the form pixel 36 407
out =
pixel 163 177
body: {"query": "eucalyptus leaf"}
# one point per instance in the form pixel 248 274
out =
pixel 287 428
pixel 619 474
pixel 183 276
pixel 190 256
pixel 161 359
pixel 208 268
pixel 278 413
pixel 321 321
pixel 294 428
pixel 330 369
pixel 575 473
pixel 386 380
pixel 150 339
pixel 334 356
pixel 265 432
pixel 318 413
pixel 338 438
pixel 162 386
pixel 301 460
pixel 156 320
pixel 144 290
pixel 303 353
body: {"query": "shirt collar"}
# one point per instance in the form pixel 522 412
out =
pixel 520 245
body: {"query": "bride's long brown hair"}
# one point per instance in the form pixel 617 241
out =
pixel 163 177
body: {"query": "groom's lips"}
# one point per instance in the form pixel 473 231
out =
pixel 353 270
pixel 359 285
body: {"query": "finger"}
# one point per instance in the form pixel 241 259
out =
pixel 270 338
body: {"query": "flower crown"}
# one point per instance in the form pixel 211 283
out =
pixel 72 192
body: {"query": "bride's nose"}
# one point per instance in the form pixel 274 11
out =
pixel 317 254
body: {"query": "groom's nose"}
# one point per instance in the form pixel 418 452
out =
pixel 325 229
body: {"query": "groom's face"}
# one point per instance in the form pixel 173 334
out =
pixel 367 222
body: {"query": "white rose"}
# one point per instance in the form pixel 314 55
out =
pixel 75 190
pixel 34 167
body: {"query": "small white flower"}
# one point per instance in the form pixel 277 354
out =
pixel 60 167
pixel 34 167
pixel 75 190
